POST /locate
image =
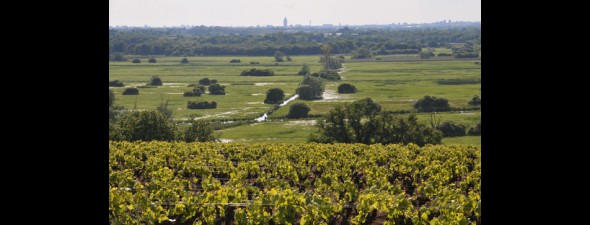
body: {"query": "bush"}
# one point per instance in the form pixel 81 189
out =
pixel 201 105
pixel 136 61
pixel 199 131
pixel 111 98
pixel 368 105
pixel 254 63
pixel 346 88
pixel 274 95
pixel 432 104
pixel 475 101
pixel 425 54
pixel 444 54
pixel 256 72
pixel 131 91
pixel 116 83
pixel 305 70
pixel 452 129
pixel 235 61
pixel 216 89
pixel 155 81
pixel 329 75
pixel 311 88
pixel 184 61
pixel 213 81
pixel 298 110
pixel 194 93
pixel 118 57
pixel 147 126
pixel 205 81
pixel 152 60
pixel 289 59
pixel 475 131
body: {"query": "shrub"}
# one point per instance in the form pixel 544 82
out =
pixel 256 72
pixel 475 131
pixel 378 58
pixel 184 61
pixel 298 110
pixel 444 54
pixel 152 60
pixel 213 81
pixel 369 106
pixel 116 83
pixel 279 56
pixel 216 89
pixel 432 104
pixel 131 91
pixel 205 81
pixel 199 131
pixel 254 63
pixel 451 129
pixel 346 88
pixel 329 75
pixel 425 54
pixel 289 59
pixel 274 95
pixel 305 70
pixel 147 126
pixel 235 61
pixel 155 81
pixel 311 88
pixel 136 61
pixel 201 105
pixel 341 57
pixel 194 93
pixel 475 101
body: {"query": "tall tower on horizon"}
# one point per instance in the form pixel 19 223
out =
pixel 285 22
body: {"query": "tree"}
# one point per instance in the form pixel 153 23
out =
pixel 279 56
pixel 425 54
pixel 475 131
pixel 155 81
pixel 111 98
pixel 120 47
pixel 274 95
pixel 216 89
pixel 205 81
pixel 163 108
pixel 361 53
pixel 305 70
pixel 346 88
pixel 131 91
pixel 136 61
pixel 199 131
pixel 311 88
pixel 452 129
pixel 116 83
pixel 432 104
pixel 147 126
pixel 152 60
pixel 368 105
pixel 351 124
pixel 184 61
pixel 143 49
pixel 298 110
pixel 475 101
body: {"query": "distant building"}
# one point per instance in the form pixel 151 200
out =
pixel 285 22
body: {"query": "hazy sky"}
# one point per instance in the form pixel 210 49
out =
pixel 272 12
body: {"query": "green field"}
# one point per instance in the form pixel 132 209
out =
pixel 394 85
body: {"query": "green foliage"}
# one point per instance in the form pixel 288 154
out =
pixel 147 126
pixel 118 57
pixel 298 110
pixel 279 56
pixel 205 81
pixel 346 88
pixel 216 89
pixel 155 81
pixel 199 131
pixel 152 60
pixel 426 54
pixel 475 131
pixel 254 63
pixel 361 53
pixel 136 61
pixel 111 98
pixel 444 54
pixel 274 95
pixel 131 91
pixel 475 101
pixel 184 61
pixel 311 88
pixel 328 75
pixel 451 129
pixel 235 61
pixel 305 70
pixel 201 105
pixel 331 63
pixel 368 105
pixel 432 104
pixel 256 72
pixel 360 122
pixel 116 83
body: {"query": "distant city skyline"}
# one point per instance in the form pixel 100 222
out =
pixel 158 13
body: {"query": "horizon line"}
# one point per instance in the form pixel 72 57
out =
pixel 292 25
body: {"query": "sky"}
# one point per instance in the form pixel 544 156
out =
pixel 157 13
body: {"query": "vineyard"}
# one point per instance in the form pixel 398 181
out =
pixel 238 183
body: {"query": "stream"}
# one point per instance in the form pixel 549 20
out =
pixel 263 117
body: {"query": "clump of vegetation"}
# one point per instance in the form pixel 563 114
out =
pixel 305 70
pixel 213 81
pixel 351 124
pixel 184 61
pixel 444 54
pixel 194 93
pixel 279 56
pixel 361 53
pixel 327 74
pixel 432 104
pixel 147 126
pixel 152 60
pixel 458 81
pixel 289 59
pixel 216 89
pixel 118 57
pixel 155 81
pixel 298 110
pixel 205 81
pixel 452 129
pixel 201 105
pixel 136 61
pixel 116 83
pixel 311 88
pixel 461 55
pixel 274 95
pixel 254 63
pixel 475 131
pixel 257 72
pixel 131 91
pixel 425 54
pixel 346 88
pixel 199 131
pixel 475 101
pixel 235 61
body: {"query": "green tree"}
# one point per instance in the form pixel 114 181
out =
pixel 136 61
pixel 475 131
pixel 184 61
pixel 346 88
pixel 147 126
pixel 475 101
pixel 199 131
pixel 274 95
pixel 216 89
pixel 279 56
pixel 432 104
pixel 305 70
pixel 298 110
pixel 152 60
pixel 205 81
pixel 452 129
pixel 426 54
pixel 311 88
pixel 155 81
